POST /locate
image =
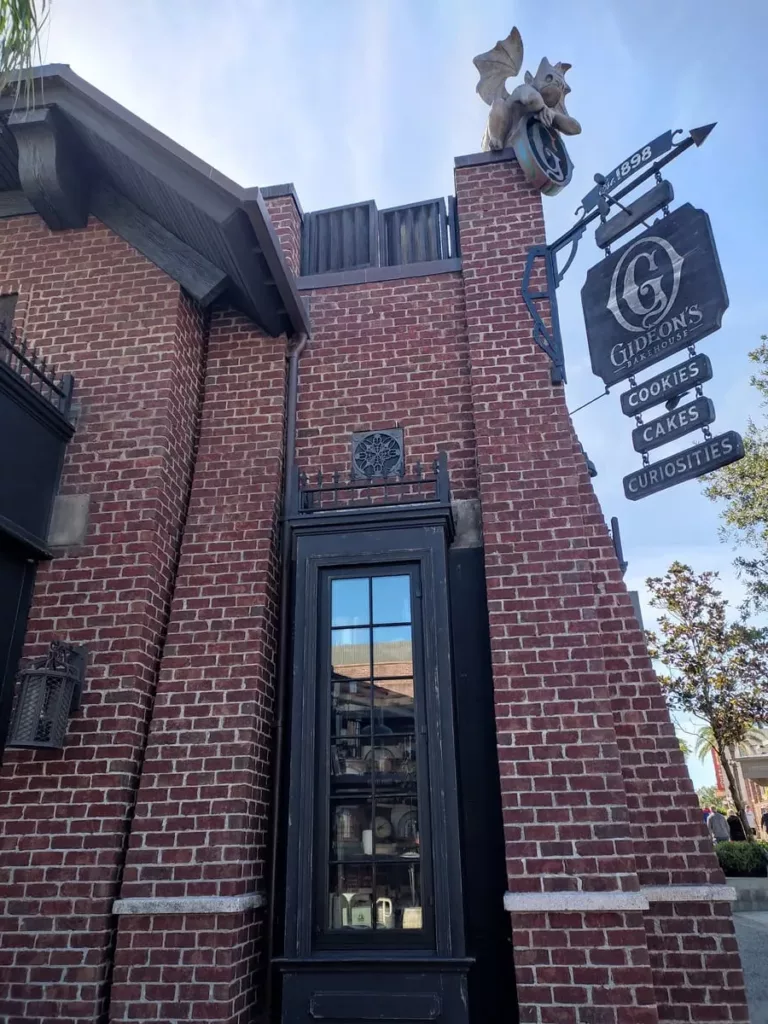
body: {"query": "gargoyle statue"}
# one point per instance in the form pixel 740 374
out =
pixel 542 95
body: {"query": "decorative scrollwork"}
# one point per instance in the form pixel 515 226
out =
pixel 378 453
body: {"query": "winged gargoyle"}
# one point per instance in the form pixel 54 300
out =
pixel 542 95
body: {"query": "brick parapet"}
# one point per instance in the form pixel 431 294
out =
pixel 286 220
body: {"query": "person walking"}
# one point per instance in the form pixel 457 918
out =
pixel 738 835
pixel 718 827
pixel 764 820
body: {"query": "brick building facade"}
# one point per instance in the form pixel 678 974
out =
pixel 558 869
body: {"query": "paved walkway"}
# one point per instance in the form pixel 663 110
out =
pixel 752 933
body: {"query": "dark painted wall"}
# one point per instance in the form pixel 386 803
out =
pixel 492 995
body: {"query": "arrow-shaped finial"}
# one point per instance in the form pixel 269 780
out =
pixel 699 134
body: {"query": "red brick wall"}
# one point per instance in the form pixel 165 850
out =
pixel 595 796
pixel 389 354
pixel 201 818
pixel 100 310
pixel 692 945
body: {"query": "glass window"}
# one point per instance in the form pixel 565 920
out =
pixel 374 876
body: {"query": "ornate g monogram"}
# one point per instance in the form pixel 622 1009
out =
pixel 378 453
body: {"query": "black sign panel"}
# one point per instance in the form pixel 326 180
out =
pixel 662 291
pixel 675 381
pixel 673 424
pixel 627 168
pixel 686 465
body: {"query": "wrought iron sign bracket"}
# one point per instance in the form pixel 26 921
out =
pixel 596 204
pixel 547 337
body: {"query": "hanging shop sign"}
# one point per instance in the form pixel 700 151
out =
pixel 623 171
pixel 661 292
pixel 711 454
pixel 665 386
pixel 673 424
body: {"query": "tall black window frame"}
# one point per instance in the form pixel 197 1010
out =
pixel 328 801
pixel 372 545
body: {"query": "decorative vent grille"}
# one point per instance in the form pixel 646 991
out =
pixel 378 453
pixel 345 238
pixel 48 693
pixel 359 236
pixel 413 234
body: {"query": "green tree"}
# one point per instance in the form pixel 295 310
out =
pixel 709 797
pixel 21 22
pixel 753 741
pixel 716 670
pixel 743 486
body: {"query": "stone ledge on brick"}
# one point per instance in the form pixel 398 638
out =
pixel 517 902
pixel 496 156
pixel 190 904
pixel 688 893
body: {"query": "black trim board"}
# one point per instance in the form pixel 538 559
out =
pixel 369 275
pixel 14 204
pixel 194 273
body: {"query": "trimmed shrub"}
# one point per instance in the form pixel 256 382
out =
pixel 743 860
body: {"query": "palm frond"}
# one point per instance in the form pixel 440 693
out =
pixel 21 22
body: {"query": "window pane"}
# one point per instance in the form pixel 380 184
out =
pixel 349 602
pixel 398 896
pixel 351 653
pixel 392 653
pixel 391 599
pixel 351 828
pixel 350 902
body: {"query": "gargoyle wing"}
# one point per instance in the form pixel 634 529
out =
pixel 497 65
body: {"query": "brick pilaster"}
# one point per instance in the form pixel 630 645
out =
pixel 286 216
pixel 200 828
pixel 96 308
pixel 565 811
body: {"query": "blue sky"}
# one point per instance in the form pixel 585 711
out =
pixel 360 99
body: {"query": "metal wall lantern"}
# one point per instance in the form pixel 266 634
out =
pixel 47 694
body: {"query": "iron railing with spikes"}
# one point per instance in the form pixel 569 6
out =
pixel 338 491
pixel 25 361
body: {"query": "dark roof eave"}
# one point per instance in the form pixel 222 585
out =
pixel 198 182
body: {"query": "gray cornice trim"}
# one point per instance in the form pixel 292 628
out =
pixel 368 275
pixel 688 893
pixel 538 902
pixel 499 156
pixel 190 904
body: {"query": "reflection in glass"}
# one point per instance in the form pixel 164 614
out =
pixel 351 652
pixel 392 651
pixel 349 602
pixel 374 850
pixel 391 599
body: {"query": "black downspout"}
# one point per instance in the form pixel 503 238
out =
pixel 283 653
